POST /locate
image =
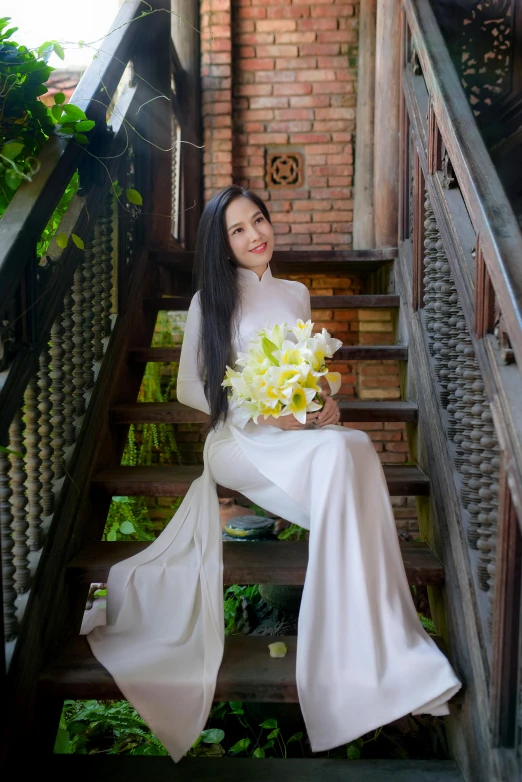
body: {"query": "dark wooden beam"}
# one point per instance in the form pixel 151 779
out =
pixel 261 562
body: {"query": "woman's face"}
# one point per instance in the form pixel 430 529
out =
pixel 250 235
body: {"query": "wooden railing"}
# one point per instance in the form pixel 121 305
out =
pixel 460 279
pixel 66 318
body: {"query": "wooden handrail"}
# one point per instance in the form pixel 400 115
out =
pixel 482 191
pixel 34 202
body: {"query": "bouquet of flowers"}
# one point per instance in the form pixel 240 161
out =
pixel 280 376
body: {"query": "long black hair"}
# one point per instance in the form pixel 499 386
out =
pixel 220 295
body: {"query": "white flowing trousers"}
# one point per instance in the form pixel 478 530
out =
pixel 363 658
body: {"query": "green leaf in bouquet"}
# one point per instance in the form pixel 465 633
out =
pixel 268 348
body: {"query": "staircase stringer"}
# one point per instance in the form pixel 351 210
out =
pixel 55 606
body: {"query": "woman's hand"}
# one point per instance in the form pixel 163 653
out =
pixel 330 413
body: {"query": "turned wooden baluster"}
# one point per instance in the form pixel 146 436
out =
pixel 69 428
pixel 430 259
pixel 46 451
pixel 106 257
pixel 57 399
pixel 32 466
pixel 79 342
pixel 97 289
pixel 8 568
pixel 88 316
pixel 18 503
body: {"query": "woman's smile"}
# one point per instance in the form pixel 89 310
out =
pixel 260 248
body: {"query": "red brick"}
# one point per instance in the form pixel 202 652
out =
pixel 333 88
pixel 331 192
pixel 315 160
pixel 324 49
pixel 332 125
pixel 274 76
pixel 219 30
pixel 292 89
pixel 317 24
pixel 340 181
pixel 292 12
pixel 253 39
pixel 332 36
pixel 293 114
pixel 315 75
pixel 292 217
pixel 313 228
pixel 397 447
pixel 244 52
pixel 278 25
pixel 315 205
pixel 299 193
pixel 243 26
pixel 253 90
pixel 280 228
pixel 257 65
pixel 309 101
pixel 277 51
pixel 260 115
pixel 298 38
pixel 268 138
pixel 310 138
pixel 216 58
pixel 294 126
pixel 295 239
pixel 269 103
pixel 296 63
pixel 337 11
pixel 219 108
pixel 250 13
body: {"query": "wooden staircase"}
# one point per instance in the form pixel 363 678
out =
pixel 246 673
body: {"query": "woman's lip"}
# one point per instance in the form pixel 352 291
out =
pixel 260 248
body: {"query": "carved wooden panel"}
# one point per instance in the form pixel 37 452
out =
pixel 485 42
pixel 284 169
pixel 506 697
pixel 484 296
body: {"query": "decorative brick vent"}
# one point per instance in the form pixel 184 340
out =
pixel 284 169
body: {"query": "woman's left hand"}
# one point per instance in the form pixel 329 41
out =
pixel 330 413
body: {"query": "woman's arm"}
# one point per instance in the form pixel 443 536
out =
pixel 190 389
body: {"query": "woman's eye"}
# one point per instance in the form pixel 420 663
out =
pixel 258 219
pixel 235 232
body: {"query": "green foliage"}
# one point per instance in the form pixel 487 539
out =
pixel 128 519
pixel 111 727
pixel 26 123
pixel 293 532
pixel 232 604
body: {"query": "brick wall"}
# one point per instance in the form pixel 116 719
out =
pixel 280 75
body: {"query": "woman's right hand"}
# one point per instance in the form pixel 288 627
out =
pixel 287 422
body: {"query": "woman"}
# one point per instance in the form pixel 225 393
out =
pixel 363 658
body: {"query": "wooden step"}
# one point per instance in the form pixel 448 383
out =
pixel 368 301
pixel 356 263
pixel 163 480
pixel 346 353
pixel 125 768
pixel 175 412
pixel 260 562
pixel 247 672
